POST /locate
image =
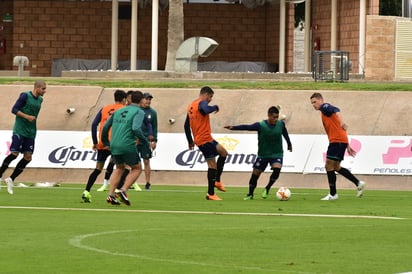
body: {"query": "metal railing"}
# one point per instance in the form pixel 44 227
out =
pixel 331 66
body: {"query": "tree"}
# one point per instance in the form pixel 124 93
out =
pixel 175 32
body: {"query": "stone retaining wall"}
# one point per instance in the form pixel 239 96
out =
pixel 366 113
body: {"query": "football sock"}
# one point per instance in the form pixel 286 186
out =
pixel 123 178
pixel 348 175
pixel 253 183
pixel 332 182
pixel 92 179
pixel 6 163
pixel 220 164
pixel 109 170
pixel 19 168
pixel 211 178
pixel 273 177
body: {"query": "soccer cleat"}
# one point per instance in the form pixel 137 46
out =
pixel 123 197
pixel 248 197
pixel 265 193
pixel 112 200
pixel 103 188
pixel 220 186
pixel 147 186
pixel 136 187
pixel 86 197
pixel 360 187
pixel 330 197
pixel 213 197
pixel 10 185
pixel 22 185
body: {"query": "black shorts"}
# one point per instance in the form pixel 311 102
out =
pixel 336 151
pixel 130 159
pixel 262 163
pixel 21 144
pixel 209 150
pixel 144 150
pixel 102 155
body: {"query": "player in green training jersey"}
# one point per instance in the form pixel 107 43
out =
pixel 126 125
pixel 26 109
pixel 270 149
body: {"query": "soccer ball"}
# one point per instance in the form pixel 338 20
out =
pixel 283 194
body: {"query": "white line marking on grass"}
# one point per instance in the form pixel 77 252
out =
pixel 77 242
pixel 208 212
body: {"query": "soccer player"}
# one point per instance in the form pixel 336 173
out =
pixel 198 122
pixel 126 171
pixel 147 152
pixel 270 149
pixel 102 153
pixel 144 149
pixel 26 109
pixel 126 126
pixel 336 129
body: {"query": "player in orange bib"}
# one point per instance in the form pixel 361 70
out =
pixel 102 154
pixel 198 123
pixel 336 129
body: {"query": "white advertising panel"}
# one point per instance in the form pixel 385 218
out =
pixel 57 149
pixel 172 152
pixel 384 155
pixel 376 155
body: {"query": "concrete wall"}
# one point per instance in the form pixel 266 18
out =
pixel 381 113
pixel 366 113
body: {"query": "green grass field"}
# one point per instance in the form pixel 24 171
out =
pixel 173 229
pixel 255 84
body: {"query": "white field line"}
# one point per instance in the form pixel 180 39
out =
pixel 206 212
pixel 77 242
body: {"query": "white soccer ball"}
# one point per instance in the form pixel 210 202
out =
pixel 283 194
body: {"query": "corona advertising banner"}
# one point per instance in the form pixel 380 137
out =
pixel 376 155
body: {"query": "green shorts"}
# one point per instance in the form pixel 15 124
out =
pixel 129 159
